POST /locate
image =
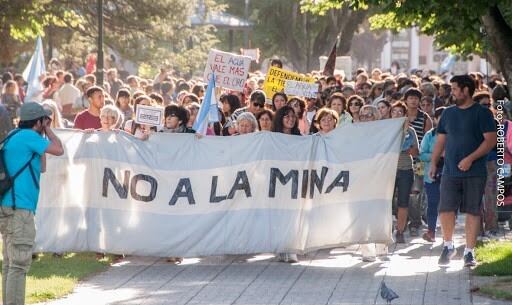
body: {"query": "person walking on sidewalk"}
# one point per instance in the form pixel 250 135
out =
pixel 24 156
pixel 466 133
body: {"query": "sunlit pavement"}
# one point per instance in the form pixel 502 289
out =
pixel 334 276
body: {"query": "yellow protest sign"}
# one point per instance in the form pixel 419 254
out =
pixel 276 79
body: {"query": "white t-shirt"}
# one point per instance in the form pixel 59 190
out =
pixel 68 94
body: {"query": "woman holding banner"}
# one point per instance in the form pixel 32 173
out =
pixel 326 120
pixel 285 121
pixel 140 131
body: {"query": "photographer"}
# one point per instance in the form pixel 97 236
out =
pixel 24 157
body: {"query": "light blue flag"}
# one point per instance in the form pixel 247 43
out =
pixel 448 63
pixel 208 113
pixel 32 72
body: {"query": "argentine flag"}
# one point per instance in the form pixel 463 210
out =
pixel 32 72
pixel 208 113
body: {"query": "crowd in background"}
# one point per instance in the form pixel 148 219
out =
pixel 419 96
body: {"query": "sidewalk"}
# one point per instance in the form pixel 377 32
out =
pixel 334 276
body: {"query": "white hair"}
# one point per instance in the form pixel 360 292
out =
pixel 114 112
pixel 248 116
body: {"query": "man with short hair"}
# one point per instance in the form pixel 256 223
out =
pixel 24 156
pixel 466 133
pixel 256 105
pixel 68 94
pixel 90 118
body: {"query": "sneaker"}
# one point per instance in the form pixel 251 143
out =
pixel 429 236
pixel 447 255
pixel 283 257
pixel 369 259
pixel 413 232
pixel 469 260
pixel 292 258
pixel 399 237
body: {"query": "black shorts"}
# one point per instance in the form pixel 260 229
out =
pixel 464 193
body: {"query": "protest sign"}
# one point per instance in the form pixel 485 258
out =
pixel 293 87
pixel 176 195
pixel 149 115
pixel 230 69
pixel 254 54
pixel 276 80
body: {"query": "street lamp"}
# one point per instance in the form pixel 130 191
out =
pixel 99 62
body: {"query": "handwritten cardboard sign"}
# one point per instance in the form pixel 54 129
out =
pixel 276 79
pixel 230 70
pixel 293 87
pixel 149 115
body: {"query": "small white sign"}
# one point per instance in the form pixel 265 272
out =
pixel 149 115
pixel 293 87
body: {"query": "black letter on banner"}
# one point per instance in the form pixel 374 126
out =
pixel 122 190
pixel 276 173
pixel 305 179
pixel 341 180
pixel 241 183
pixel 213 193
pixel 184 182
pixel 133 187
pixel 317 181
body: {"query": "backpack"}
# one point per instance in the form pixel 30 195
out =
pixel 6 180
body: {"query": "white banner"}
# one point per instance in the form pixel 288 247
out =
pixel 177 195
pixel 230 69
pixel 305 89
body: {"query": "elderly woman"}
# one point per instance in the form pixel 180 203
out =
pixel 327 120
pixel 369 113
pixel 246 123
pixel 111 118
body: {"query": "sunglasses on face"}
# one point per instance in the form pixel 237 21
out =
pixel 258 105
pixel 355 104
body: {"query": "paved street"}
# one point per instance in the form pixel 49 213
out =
pixel 335 276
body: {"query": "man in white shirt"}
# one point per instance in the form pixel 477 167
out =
pixel 68 93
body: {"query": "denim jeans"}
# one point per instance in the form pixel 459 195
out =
pixel 433 195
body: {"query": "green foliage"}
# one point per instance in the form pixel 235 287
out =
pixel 456 25
pixel 143 31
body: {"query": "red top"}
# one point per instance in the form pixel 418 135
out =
pixel 85 120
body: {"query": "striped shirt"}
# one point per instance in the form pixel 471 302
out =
pixel 419 124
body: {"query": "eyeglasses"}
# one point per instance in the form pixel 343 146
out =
pixel 397 111
pixel 258 105
pixel 327 119
pixel 367 115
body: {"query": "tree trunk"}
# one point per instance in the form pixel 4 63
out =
pixel 500 37
pixel 347 33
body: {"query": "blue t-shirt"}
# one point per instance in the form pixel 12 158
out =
pixel 464 129
pixel 17 152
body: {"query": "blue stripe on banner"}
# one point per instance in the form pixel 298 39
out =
pixel 353 142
